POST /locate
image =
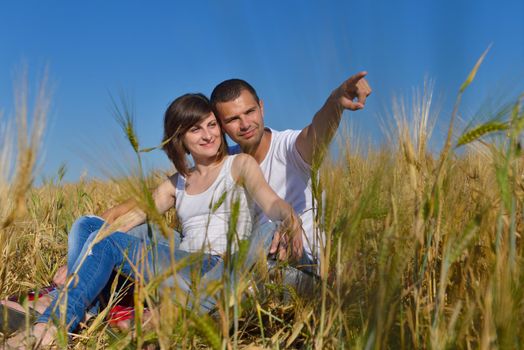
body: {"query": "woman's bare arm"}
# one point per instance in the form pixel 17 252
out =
pixel 246 171
pixel 128 214
pixel 111 214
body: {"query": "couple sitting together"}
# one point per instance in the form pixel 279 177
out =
pixel 266 179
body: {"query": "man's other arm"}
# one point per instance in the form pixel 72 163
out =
pixel 315 138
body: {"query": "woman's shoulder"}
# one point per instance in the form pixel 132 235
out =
pixel 241 164
pixel 175 180
pixel 242 159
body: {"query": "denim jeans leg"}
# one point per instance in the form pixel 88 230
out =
pixel 152 232
pixel 184 279
pixel 161 260
pixel 84 226
pixel 80 231
pixel 93 272
pixel 259 243
pixel 117 251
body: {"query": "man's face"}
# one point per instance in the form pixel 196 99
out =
pixel 243 120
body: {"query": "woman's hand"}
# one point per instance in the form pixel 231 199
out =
pixel 290 231
pixel 111 214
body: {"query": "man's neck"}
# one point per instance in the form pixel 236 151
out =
pixel 260 152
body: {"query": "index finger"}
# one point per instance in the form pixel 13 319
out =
pixel 355 78
pixel 275 242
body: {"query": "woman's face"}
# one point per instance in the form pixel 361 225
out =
pixel 203 139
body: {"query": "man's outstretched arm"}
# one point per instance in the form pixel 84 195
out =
pixel 315 138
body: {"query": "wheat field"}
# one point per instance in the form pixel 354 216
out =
pixel 423 248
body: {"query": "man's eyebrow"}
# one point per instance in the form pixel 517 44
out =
pixel 231 117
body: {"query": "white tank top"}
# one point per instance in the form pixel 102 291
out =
pixel 207 217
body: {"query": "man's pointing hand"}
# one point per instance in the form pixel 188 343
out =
pixel 355 88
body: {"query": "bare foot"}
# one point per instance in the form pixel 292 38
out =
pixel 38 305
pixel 60 276
pixel 42 334
pixel 12 305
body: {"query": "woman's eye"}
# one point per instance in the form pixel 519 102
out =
pixel 193 129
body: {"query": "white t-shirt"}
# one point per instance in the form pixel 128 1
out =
pixel 290 177
pixel 206 217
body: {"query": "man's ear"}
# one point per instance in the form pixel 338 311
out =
pixel 261 105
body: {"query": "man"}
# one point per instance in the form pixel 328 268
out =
pixel 286 157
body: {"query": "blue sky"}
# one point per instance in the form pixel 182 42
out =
pixel 293 52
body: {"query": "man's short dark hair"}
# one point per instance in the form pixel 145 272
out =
pixel 228 90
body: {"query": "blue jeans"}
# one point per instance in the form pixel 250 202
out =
pixel 136 257
pixel 86 225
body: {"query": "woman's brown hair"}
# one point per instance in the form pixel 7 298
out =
pixel 184 112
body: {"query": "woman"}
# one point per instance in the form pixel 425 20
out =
pixel 205 196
